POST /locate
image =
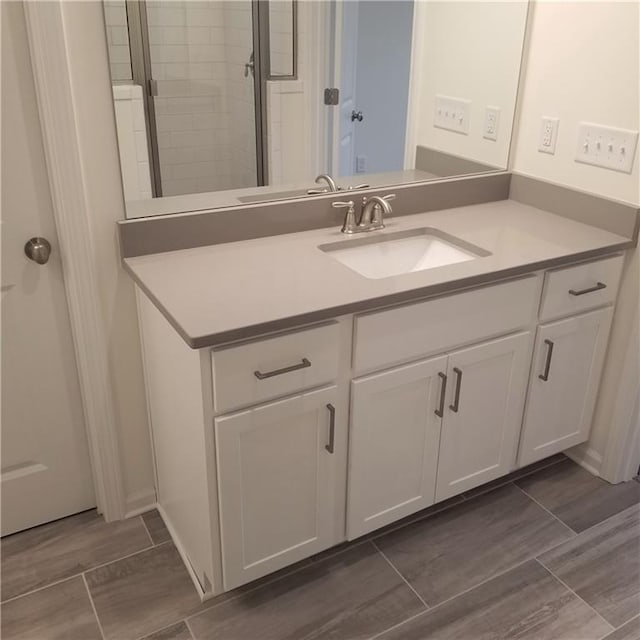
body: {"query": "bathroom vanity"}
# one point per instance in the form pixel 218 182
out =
pixel 296 403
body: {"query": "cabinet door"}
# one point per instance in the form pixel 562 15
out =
pixel 568 360
pixel 393 450
pixel 276 475
pixel 481 425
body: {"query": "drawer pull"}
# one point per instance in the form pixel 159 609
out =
pixel 581 292
pixel 332 428
pixel 547 365
pixel 456 401
pixel 440 410
pixel 276 372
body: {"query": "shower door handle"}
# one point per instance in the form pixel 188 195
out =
pixel 249 66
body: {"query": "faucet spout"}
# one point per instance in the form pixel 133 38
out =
pixel 329 180
pixel 374 210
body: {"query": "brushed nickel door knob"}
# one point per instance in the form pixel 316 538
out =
pixel 38 250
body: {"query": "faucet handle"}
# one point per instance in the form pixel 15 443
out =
pixel 358 186
pixel 349 225
pixel 390 196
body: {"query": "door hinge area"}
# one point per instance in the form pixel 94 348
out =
pixel 331 96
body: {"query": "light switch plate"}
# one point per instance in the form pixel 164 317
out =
pixel 452 114
pixel 606 147
pixel 491 123
pixel 548 135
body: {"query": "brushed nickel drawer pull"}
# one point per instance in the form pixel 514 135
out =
pixel 332 428
pixel 456 401
pixel 440 410
pixel 581 292
pixel 277 372
pixel 545 376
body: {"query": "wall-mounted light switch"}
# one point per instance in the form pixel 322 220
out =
pixel 548 135
pixel 452 114
pixel 606 147
pixel 491 123
pixel 361 164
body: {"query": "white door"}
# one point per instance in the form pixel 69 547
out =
pixel 393 444
pixel 346 58
pixel 481 424
pixel 277 473
pixel 569 355
pixel 45 460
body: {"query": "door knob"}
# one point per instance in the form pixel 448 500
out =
pixel 38 250
pixel 356 115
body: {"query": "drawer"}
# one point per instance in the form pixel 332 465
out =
pixel 394 336
pixel 584 286
pixel 253 372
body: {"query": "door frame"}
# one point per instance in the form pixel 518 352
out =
pixel 52 63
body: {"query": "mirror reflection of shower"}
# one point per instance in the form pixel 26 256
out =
pixel 190 84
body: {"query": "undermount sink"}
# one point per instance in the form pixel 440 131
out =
pixel 408 251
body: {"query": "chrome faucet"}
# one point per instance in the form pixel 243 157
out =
pixel 332 186
pixel 371 218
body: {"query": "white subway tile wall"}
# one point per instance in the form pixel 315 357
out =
pixel 205 117
pixel 115 14
pixel 204 108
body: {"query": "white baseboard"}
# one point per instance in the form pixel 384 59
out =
pixel 140 502
pixel 586 457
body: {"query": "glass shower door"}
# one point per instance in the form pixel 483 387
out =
pixel 203 95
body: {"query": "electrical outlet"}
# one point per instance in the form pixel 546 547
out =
pixel 491 123
pixel 361 164
pixel 452 114
pixel 548 135
pixel 606 147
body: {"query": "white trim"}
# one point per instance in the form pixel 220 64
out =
pixel 622 454
pixel 415 85
pixel 586 457
pixel 140 502
pixel 50 60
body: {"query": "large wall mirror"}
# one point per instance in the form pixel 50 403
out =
pixel 227 102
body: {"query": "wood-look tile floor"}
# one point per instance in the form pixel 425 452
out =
pixel 549 552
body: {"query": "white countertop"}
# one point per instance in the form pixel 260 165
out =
pixel 226 292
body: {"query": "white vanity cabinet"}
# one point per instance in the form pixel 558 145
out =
pixel 487 384
pixel 426 431
pixel 272 449
pixel 277 474
pixel 393 444
pixel 568 359
pixel 568 356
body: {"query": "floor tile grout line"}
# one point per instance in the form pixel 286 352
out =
pixel 399 624
pixel 597 524
pixel 532 558
pixel 393 566
pixel 93 606
pixel 144 524
pixel 566 586
pixel 189 629
pixel 164 628
pixel 553 515
pixel 75 575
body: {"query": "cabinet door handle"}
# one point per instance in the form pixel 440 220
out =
pixel 440 410
pixel 456 401
pixel 545 376
pixel 332 428
pixel 277 372
pixel 581 292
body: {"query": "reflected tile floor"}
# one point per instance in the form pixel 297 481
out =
pixel 547 552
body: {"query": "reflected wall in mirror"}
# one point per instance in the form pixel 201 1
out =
pixel 223 102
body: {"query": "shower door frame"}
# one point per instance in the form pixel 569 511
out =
pixel 141 71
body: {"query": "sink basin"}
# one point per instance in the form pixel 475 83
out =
pixel 408 251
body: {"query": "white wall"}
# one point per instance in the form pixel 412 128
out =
pixel 583 64
pixel 471 51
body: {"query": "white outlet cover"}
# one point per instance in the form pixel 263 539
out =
pixel 491 123
pixel 548 135
pixel 452 114
pixel 606 147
